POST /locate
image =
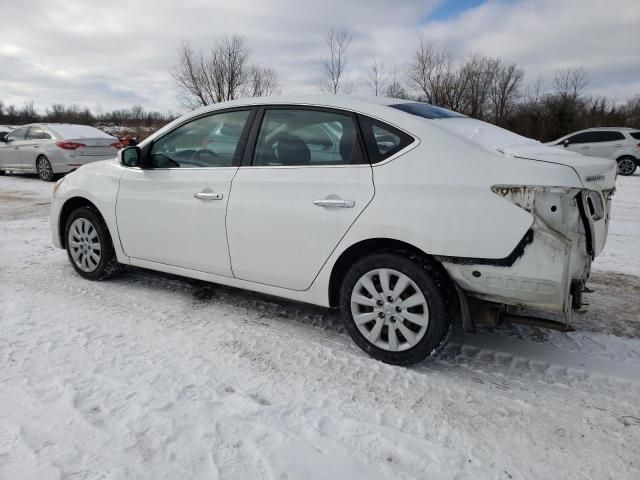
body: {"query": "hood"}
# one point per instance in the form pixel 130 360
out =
pixel 595 173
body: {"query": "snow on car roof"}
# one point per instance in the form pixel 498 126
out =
pixel 69 130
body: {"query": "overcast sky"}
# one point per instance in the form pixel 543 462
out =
pixel 114 54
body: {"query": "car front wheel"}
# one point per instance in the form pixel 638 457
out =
pixel 626 166
pixel 89 245
pixel 394 309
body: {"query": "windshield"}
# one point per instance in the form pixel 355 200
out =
pixel 425 110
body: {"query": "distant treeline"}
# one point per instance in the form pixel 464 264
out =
pixel 135 119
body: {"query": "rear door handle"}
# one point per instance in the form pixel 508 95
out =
pixel 208 196
pixel 334 203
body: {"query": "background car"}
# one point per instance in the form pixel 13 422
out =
pixel 399 213
pixel 49 149
pixel 616 143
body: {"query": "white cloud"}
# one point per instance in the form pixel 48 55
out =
pixel 117 53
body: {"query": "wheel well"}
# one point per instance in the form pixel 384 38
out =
pixel 68 208
pixel 628 156
pixel 376 245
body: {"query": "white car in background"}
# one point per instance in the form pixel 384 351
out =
pixel 406 216
pixel 616 143
pixel 49 149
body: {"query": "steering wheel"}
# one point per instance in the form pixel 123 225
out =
pixel 204 155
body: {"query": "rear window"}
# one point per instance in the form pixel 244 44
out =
pixel 425 110
pixel 78 131
pixel 635 135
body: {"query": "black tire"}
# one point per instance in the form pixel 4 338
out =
pixel 2 172
pixel 44 170
pixel 429 281
pixel 108 265
pixel 626 166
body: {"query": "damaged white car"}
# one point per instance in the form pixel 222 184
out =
pixel 408 217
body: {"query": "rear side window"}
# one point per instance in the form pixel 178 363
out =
pixel 299 137
pixel 37 133
pixel 635 135
pixel 382 140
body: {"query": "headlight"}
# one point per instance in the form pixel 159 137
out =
pixel 58 183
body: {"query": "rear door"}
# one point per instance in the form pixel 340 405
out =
pixel 10 149
pixel 301 187
pixel 173 211
pixel 33 146
pixel 607 143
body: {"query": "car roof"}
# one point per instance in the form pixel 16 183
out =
pixel 350 102
pixel 625 129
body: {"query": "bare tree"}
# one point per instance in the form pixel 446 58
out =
pixel 333 66
pixel 481 72
pixel 570 83
pixel 427 71
pixel 263 81
pixel 395 89
pixel 505 90
pixel 377 78
pixel 223 74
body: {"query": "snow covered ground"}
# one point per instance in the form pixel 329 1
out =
pixel 156 377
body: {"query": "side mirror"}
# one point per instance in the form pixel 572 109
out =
pixel 565 142
pixel 130 156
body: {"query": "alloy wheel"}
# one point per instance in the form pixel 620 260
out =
pixel 45 171
pixel 626 166
pixel 389 309
pixel 84 245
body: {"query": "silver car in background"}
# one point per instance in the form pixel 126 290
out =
pixel 49 149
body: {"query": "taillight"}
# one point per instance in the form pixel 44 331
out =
pixel 70 145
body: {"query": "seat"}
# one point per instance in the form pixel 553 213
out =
pixel 290 150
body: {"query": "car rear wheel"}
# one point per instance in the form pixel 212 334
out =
pixel 394 309
pixel 89 245
pixel 44 170
pixel 626 166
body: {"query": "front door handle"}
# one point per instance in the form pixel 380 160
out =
pixel 334 203
pixel 208 196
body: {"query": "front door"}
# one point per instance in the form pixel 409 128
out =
pixel 307 183
pixel 10 149
pixel 173 211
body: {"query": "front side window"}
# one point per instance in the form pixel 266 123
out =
pixel 300 137
pixel 382 140
pixel 18 134
pixel 584 137
pixel 210 141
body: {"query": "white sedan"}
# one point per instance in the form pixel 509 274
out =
pixel 407 217
pixel 49 149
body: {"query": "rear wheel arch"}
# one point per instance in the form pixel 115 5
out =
pixel 368 247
